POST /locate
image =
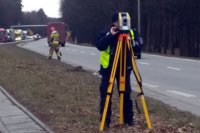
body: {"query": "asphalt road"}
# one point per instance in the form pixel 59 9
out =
pixel 174 81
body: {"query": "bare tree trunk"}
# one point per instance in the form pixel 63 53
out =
pixel 148 33
pixel 163 29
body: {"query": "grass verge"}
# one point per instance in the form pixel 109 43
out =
pixel 66 98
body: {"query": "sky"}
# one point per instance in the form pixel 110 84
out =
pixel 50 7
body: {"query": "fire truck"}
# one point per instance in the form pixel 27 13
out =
pixel 61 28
pixel 2 35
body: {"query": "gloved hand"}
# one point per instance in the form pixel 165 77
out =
pixel 114 30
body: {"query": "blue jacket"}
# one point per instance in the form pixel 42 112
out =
pixel 104 39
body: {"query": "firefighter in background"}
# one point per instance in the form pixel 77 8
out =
pixel 54 44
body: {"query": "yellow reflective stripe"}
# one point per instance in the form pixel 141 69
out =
pixel 55 39
pixel 132 34
pixel 105 58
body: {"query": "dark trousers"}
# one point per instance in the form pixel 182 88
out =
pixel 128 106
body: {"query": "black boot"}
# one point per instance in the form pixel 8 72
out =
pixel 107 124
pixel 59 58
pixel 50 58
pixel 129 122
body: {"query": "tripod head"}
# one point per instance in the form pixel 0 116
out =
pixel 124 32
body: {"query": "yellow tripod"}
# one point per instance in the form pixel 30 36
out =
pixel 121 54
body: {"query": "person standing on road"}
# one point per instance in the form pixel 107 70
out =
pixel 107 43
pixel 54 44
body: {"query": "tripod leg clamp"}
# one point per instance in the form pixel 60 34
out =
pixel 121 91
pixel 109 94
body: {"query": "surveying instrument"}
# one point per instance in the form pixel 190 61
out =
pixel 124 46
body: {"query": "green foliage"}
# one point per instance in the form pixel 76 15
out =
pixel 167 26
pixel 171 26
pixel 35 17
pixel 87 18
pixel 10 12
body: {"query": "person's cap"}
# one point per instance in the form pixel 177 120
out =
pixel 115 17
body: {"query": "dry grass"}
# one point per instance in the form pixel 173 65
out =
pixel 66 98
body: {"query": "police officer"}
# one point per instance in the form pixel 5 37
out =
pixel 54 44
pixel 106 43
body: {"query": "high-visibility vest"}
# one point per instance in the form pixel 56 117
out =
pixel 105 55
pixel 105 58
pixel 55 37
pixel 132 34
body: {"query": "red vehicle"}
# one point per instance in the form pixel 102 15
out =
pixel 61 28
pixel 2 35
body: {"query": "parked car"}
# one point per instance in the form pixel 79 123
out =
pixel 30 37
pixel 36 37
pixel 18 35
pixel 61 28
pixel 2 35
pixel 10 35
pixel 24 34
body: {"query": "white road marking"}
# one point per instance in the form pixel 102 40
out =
pixel 174 68
pixel 82 46
pixel 181 93
pixel 82 52
pixel 73 50
pixel 93 54
pixel 175 58
pixel 150 85
pixel 144 63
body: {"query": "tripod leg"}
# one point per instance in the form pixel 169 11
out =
pixel 122 81
pixel 146 113
pixel 111 82
pixel 139 87
pixel 135 68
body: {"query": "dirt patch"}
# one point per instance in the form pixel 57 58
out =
pixel 66 98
